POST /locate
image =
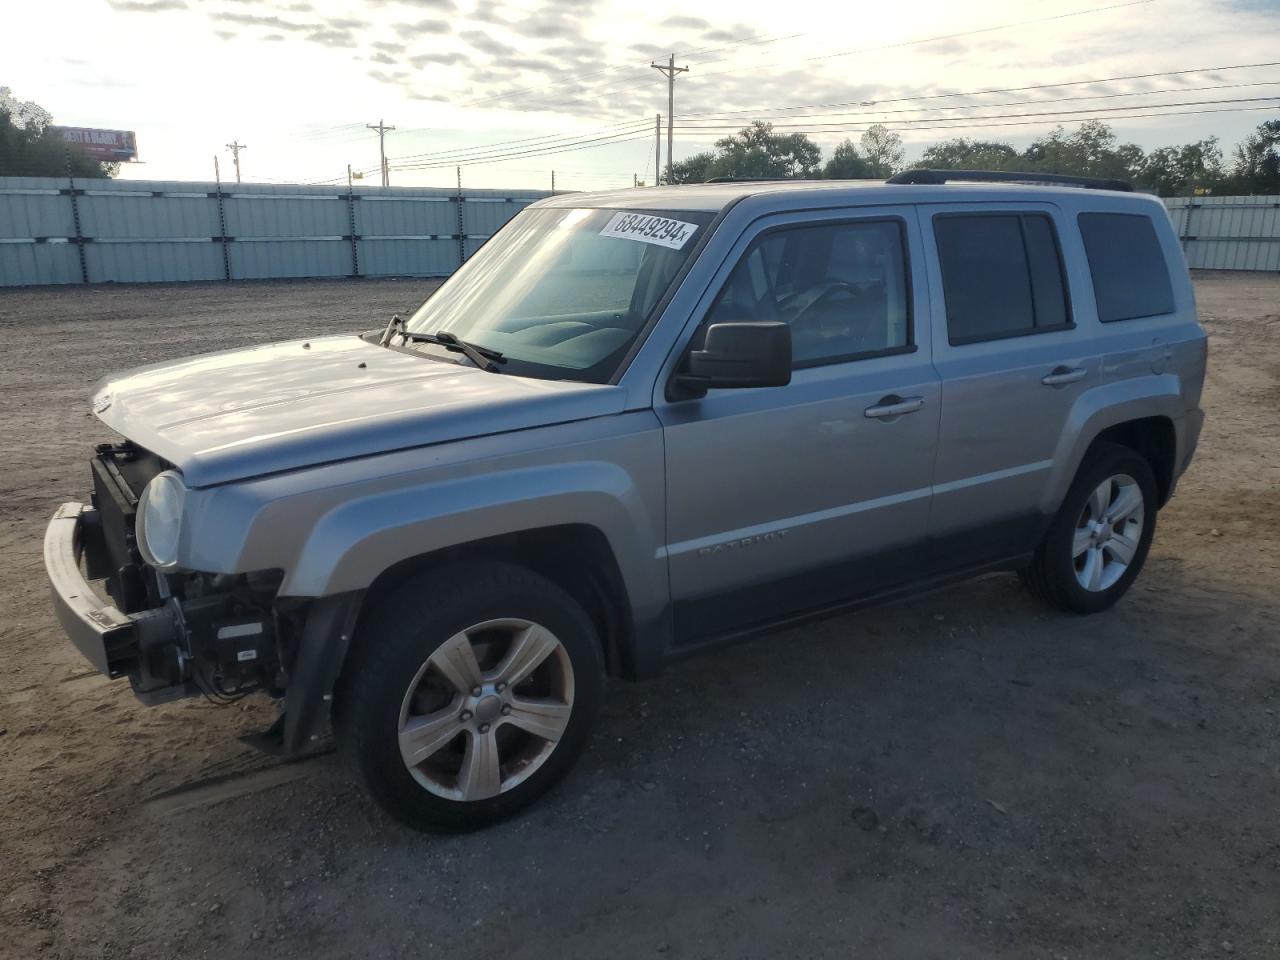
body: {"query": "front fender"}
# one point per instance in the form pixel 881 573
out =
pixel 355 541
pixel 1103 406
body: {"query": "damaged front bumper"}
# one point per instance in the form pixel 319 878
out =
pixel 183 647
pixel 110 640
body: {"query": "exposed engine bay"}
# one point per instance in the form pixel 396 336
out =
pixel 212 635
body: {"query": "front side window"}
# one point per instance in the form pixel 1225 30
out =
pixel 563 294
pixel 1001 275
pixel 1130 278
pixel 841 287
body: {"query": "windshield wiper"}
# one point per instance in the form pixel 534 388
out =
pixel 485 358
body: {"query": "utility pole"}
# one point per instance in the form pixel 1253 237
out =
pixel 382 130
pixel 657 150
pixel 553 181
pixel 669 70
pixel 235 146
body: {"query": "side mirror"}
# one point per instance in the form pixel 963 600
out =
pixel 739 355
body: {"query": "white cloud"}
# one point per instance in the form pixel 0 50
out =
pixel 297 79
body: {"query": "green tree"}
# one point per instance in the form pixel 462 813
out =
pixel 962 154
pixel 28 148
pixel 1256 166
pixel 883 150
pixel 847 163
pixel 754 151
pixel 1091 151
pixel 1181 171
pixel 694 169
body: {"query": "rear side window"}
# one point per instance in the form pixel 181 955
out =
pixel 1130 277
pixel 1001 275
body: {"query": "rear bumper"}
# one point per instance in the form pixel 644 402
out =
pixel 106 637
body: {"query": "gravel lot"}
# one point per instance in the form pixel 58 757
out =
pixel 964 775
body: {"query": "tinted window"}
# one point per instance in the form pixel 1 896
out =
pixel 1130 278
pixel 1001 275
pixel 841 287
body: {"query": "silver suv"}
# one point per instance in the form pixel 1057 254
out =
pixel 634 424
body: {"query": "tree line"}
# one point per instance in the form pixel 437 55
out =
pixel 1092 150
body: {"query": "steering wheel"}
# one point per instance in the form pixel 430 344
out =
pixel 831 288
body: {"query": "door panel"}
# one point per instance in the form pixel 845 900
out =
pixel 787 498
pixel 1005 403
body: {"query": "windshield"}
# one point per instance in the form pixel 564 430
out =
pixel 563 294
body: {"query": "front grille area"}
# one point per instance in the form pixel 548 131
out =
pixel 120 473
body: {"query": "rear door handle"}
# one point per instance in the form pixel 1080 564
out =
pixel 1062 375
pixel 893 406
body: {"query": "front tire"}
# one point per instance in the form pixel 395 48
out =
pixel 1098 540
pixel 471 690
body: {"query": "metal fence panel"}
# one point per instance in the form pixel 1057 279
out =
pixel 390 257
pixel 54 230
pixel 1228 233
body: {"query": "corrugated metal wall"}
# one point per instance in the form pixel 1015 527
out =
pixel 54 230
pixel 1228 233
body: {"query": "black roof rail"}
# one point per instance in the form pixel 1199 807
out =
pixel 999 176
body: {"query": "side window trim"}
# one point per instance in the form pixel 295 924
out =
pixel 1063 276
pixel 909 304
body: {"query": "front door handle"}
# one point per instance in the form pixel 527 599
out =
pixel 1063 375
pixel 893 406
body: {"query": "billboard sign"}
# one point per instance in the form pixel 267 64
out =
pixel 109 146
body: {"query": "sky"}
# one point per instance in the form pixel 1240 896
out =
pixel 497 85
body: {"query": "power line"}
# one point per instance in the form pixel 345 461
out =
pixel 988 90
pixel 963 123
pixel 1007 103
pixel 518 155
pixel 839 125
pixel 441 154
pixel 544 149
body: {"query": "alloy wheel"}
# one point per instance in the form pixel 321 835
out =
pixel 1108 532
pixel 486 710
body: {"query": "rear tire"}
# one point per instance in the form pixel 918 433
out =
pixel 470 692
pixel 1098 540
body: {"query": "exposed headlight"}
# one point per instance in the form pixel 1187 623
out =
pixel 160 519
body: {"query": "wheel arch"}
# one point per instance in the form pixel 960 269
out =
pixel 1155 439
pixel 576 557
pixel 1142 414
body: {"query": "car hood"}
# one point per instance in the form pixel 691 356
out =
pixel 242 413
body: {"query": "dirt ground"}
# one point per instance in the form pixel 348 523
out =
pixel 962 776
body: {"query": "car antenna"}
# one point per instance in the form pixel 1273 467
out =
pixel 393 328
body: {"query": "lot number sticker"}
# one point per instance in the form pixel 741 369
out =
pixel 649 229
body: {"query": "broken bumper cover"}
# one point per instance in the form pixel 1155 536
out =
pixel 108 639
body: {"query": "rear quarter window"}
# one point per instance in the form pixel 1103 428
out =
pixel 1130 276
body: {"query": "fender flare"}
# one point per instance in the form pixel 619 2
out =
pixel 1108 405
pixel 352 544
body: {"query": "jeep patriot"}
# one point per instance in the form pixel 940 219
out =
pixel 634 424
